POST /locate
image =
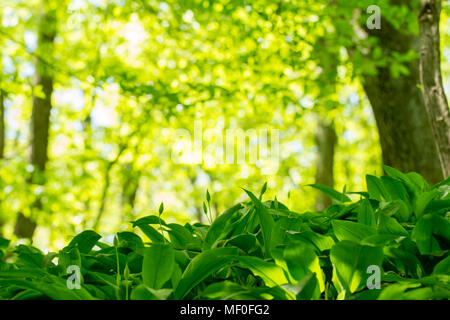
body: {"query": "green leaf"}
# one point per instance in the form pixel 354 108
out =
pixel 157 265
pixel 365 213
pixel 85 241
pixel 351 261
pixel 441 227
pixel 331 192
pixel 388 225
pixel 438 206
pixel 347 230
pixel 245 242
pixel 130 240
pixel 202 266
pixel 50 285
pixel 405 261
pixel 405 291
pixel 305 289
pixel 142 292
pixel 425 228
pixel 422 202
pixel 443 267
pixel 420 184
pixel 69 256
pixel 176 276
pixel 321 242
pixel 101 278
pixel 148 220
pixel 272 274
pixel 182 237
pixel 29 256
pixel 404 211
pixel 394 173
pixel 423 234
pixel 151 233
pixel 381 239
pixel 395 188
pixel 222 225
pixel 263 190
pixel 376 189
pixel 266 221
pixel 302 260
pixel 228 290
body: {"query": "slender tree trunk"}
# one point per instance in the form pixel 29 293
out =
pixel 436 103
pixel 103 196
pixel 130 188
pixel 106 185
pixel 40 117
pixel 326 142
pixel 405 133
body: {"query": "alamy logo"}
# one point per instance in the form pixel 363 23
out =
pixel 74 280
pixel 234 146
pixel 374 281
pixel 374 21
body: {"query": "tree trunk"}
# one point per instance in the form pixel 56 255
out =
pixel 405 133
pixel 40 117
pixel 130 188
pixel 106 185
pixel 431 79
pixel 326 142
pixel 104 195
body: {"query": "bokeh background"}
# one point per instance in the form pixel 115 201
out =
pixel 127 74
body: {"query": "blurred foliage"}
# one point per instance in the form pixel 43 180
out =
pixel 129 73
pixel 398 231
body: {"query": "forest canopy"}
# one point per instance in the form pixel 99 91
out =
pixel 98 98
pixel 224 149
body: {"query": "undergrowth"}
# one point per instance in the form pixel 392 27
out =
pixel 391 243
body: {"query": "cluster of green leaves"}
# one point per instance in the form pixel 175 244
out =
pixel 260 250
